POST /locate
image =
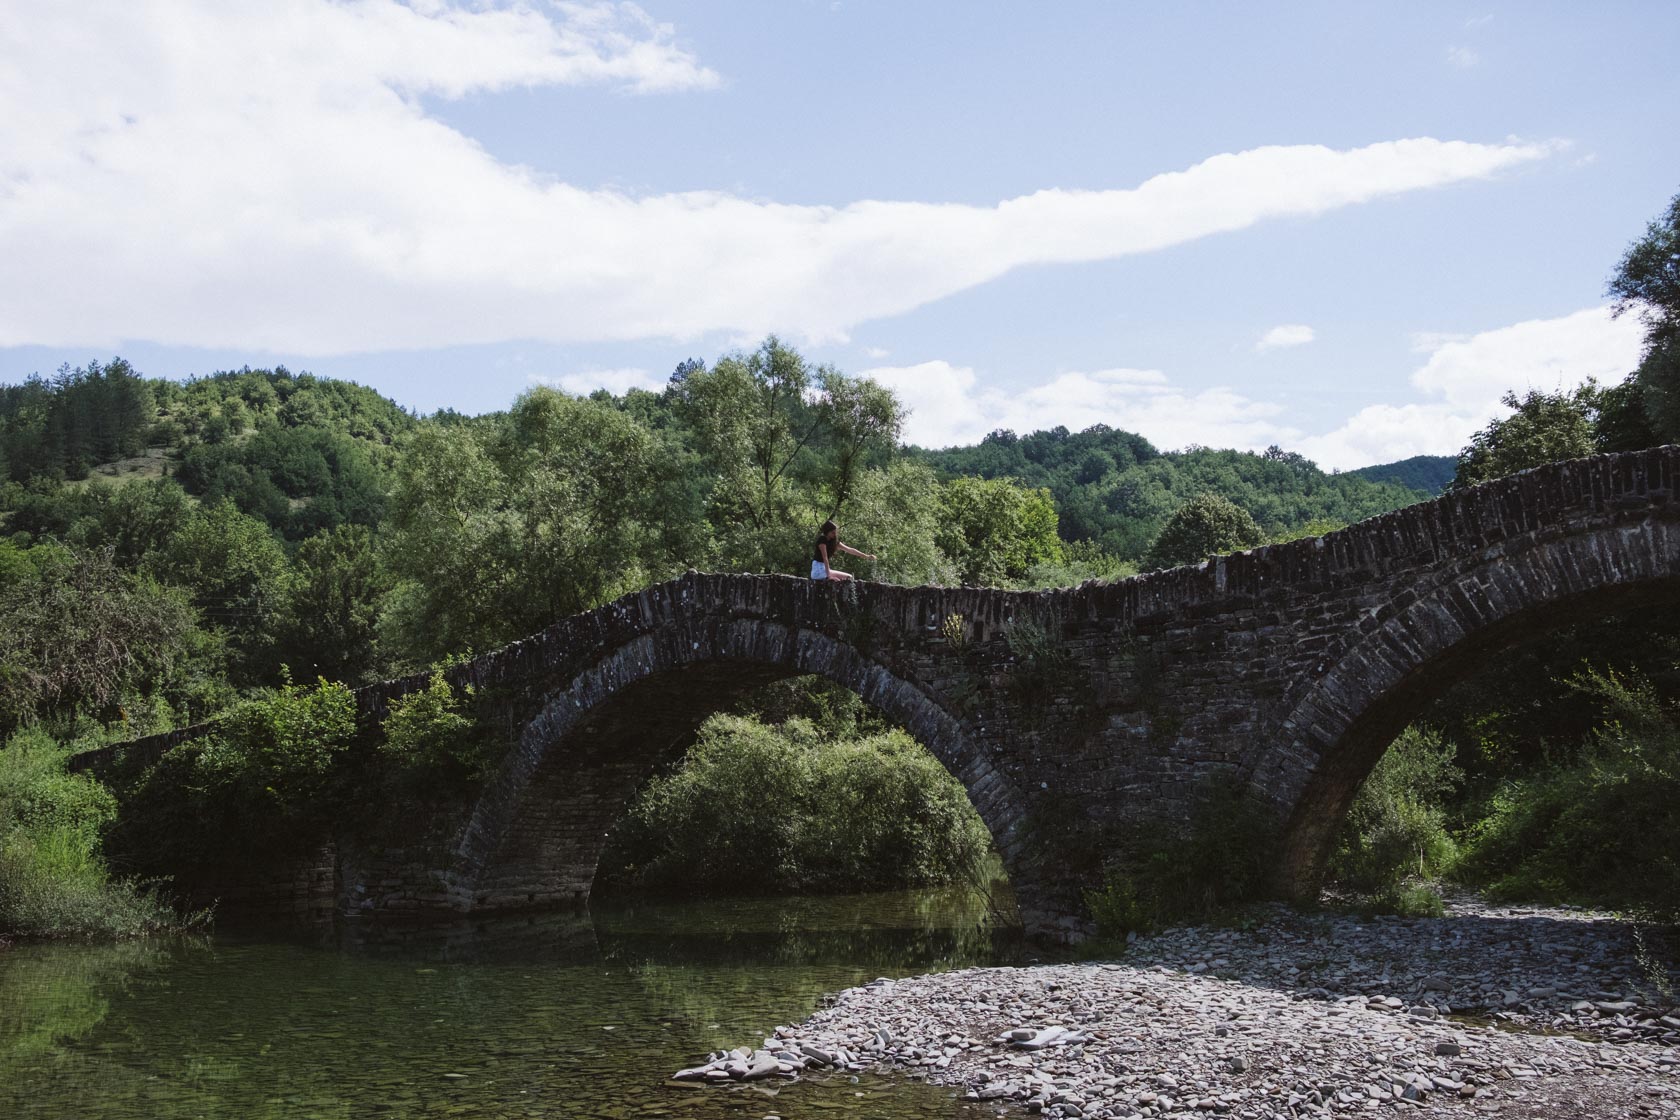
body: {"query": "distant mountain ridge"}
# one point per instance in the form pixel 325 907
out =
pixel 1428 473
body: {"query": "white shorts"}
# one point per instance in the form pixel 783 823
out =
pixel 819 570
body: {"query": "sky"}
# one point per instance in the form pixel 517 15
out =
pixel 1346 229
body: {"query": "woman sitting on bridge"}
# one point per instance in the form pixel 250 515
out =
pixel 828 545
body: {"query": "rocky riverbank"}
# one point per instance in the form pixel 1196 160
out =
pixel 1490 1011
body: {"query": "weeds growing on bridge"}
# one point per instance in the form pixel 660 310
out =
pixel 1219 859
pixel 280 773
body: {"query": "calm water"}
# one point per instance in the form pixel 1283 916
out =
pixel 554 1016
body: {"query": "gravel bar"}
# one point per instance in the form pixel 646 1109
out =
pixel 1517 1012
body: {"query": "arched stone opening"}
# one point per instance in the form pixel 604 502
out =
pixel 537 834
pixel 1346 720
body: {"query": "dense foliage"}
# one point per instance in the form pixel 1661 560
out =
pixel 1601 827
pixel 1395 835
pixel 1204 526
pixel 761 808
pixel 1647 282
pixel 53 880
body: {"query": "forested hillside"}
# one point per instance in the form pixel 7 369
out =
pixel 1428 473
pixel 287 522
pixel 1115 489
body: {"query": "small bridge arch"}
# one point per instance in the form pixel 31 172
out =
pixel 1439 628
pixel 537 833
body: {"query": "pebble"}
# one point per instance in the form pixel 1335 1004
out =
pixel 1299 1015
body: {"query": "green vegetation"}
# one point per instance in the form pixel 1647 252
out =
pixel 52 879
pixel 1115 490
pixel 1426 473
pixel 1206 525
pixel 1647 282
pixel 1604 826
pixel 1395 840
pixel 1594 821
pixel 761 808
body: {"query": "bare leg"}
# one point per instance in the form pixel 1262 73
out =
pixel 838 576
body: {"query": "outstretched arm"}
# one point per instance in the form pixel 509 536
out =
pixel 848 548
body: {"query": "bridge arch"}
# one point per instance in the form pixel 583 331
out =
pixel 537 832
pixel 1433 634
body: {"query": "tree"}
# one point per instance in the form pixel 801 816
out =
pixel 897 510
pixel 77 633
pixel 783 446
pixel 864 421
pixel 498 529
pixel 751 420
pixel 328 624
pixel 1544 428
pixel 237 575
pixel 994 529
pixel 1647 280
pixel 1206 525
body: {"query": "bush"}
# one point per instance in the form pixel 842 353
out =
pixel 53 881
pixel 1396 829
pixel 275 758
pixel 761 809
pixel 1407 900
pixel 1083 560
pixel 428 739
pixel 267 779
pixel 1606 828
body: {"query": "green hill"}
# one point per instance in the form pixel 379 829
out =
pixel 1114 488
pixel 1428 473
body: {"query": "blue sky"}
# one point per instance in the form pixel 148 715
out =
pixel 1342 228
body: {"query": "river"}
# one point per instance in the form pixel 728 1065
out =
pixel 555 1015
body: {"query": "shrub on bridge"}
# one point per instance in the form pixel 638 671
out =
pixel 269 777
pixel 762 808
pixel 428 739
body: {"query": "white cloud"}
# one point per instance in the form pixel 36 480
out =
pixel 1427 342
pixel 948 406
pixel 1465 377
pixel 1288 334
pixel 615 381
pixel 267 176
pixel 1479 21
pixel 876 353
pixel 1462 57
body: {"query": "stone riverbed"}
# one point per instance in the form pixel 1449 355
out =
pixel 1514 1012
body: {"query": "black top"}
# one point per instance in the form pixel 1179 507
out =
pixel 833 544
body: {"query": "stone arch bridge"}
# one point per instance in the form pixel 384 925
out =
pixel 1286 669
